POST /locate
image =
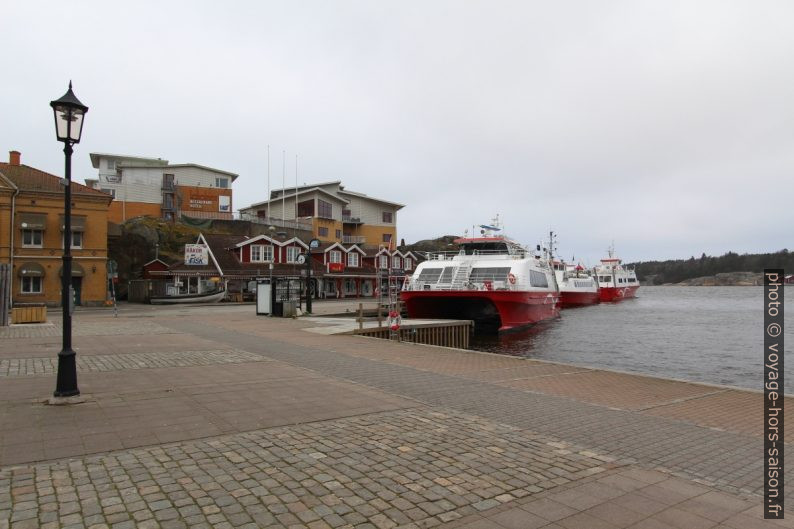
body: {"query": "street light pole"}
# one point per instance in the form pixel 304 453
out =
pixel 69 113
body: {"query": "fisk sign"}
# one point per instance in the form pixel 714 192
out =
pixel 196 254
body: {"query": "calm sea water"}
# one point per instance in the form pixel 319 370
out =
pixel 705 334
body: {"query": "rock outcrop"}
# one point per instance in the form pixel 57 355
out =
pixel 738 279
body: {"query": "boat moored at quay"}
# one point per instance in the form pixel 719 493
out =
pixel 615 282
pixel 577 285
pixel 492 280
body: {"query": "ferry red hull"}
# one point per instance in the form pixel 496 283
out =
pixel 504 310
pixel 577 299
pixel 617 293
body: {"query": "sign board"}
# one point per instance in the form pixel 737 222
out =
pixel 196 254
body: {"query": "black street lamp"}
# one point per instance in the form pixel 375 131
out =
pixel 69 113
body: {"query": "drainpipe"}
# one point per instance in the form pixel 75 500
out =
pixel 11 246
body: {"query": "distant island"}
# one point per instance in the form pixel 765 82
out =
pixel 730 269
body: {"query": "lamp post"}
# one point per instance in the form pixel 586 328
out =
pixel 69 113
pixel 314 243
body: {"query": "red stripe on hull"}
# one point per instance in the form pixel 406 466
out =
pixel 513 308
pixel 576 299
pixel 617 293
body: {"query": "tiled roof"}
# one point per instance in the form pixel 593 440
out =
pixel 29 179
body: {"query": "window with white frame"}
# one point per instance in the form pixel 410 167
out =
pixel 31 285
pixel 292 254
pixel 32 238
pixel 111 165
pixel 261 253
pixel 352 259
pixel 384 261
pixel 395 262
pixel 408 263
pixel 223 183
pixel 335 256
pixel 77 239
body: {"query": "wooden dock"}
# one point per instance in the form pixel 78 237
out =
pixel 446 333
pixel 449 333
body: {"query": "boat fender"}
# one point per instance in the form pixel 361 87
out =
pixel 511 278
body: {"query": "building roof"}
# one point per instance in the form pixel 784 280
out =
pixel 95 156
pixel 220 247
pixel 304 186
pixel 178 165
pixel 27 178
pixel 367 197
pixel 311 189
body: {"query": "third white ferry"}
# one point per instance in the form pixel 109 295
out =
pixel 615 282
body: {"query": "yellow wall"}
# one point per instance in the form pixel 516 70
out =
pixel 121 211
pixel 92 256
pixel 373 234
pixel 332 226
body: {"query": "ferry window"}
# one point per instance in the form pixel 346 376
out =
pixel 538 279
pixel 431 275
pixel 478 275
pixel 446 277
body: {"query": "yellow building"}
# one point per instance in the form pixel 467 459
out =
pixel 31 235
pixel 331 212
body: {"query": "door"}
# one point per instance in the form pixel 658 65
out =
pixel 77 285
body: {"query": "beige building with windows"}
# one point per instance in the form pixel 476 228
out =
pixel 331 212
pixel 31 235
pixel 153 187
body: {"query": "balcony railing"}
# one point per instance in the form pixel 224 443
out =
pixel 347 219
pixel 279 223
pixel 353 239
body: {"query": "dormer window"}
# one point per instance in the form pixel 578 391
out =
pixel 335 256
pixel 384 261
pixel 352 259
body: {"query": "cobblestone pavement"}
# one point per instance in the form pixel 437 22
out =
pixel 81 327
pixel 11 367
pixel 238 421
pixel 726 459
pixel 419 467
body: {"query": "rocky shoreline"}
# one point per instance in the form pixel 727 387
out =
pixel 734 279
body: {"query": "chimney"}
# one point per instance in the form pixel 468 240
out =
pixel 14 157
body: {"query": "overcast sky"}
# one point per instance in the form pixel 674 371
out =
pixel 665 126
